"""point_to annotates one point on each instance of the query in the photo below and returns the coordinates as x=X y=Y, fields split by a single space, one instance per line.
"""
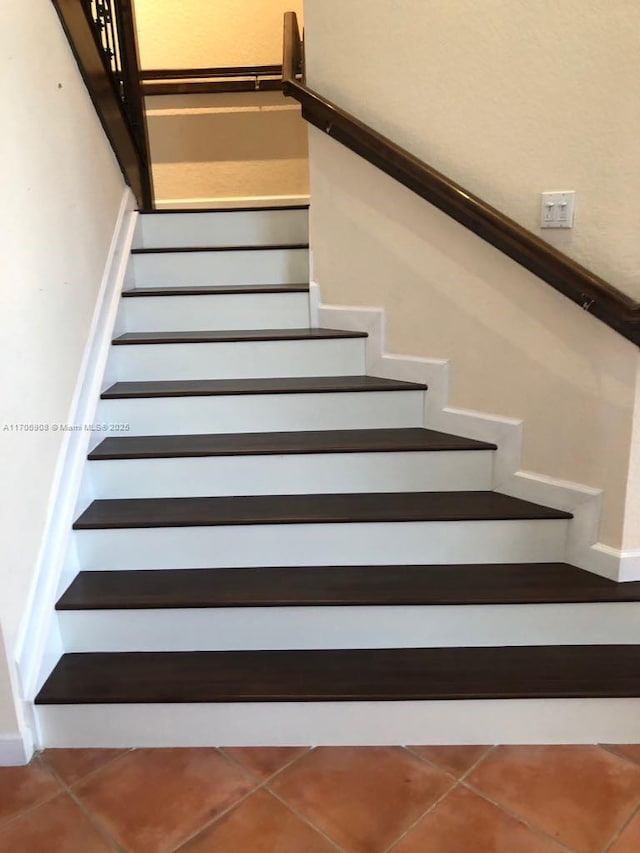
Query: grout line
x=275 y=772
x=442 y=769
x=265 y=786
x=7 y=823
x=93 y=820
x=625 y=823
x=532 y=826
x=424 y=814
x=91 y=773
x=464 y=783
x=479 y=761
x=622 y=827
x=457 y=781
x=39 y=758
x=306 y=820
x=609 y=749
x=100 y=829
x=32 y=808
x=429 y=763
x=201 y=829
x=259 y=786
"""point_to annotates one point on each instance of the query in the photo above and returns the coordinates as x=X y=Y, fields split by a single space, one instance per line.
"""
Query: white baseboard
x=612 y=562
x=585 y=503
x=231 y=201
x=38 y=644
x=15 y=751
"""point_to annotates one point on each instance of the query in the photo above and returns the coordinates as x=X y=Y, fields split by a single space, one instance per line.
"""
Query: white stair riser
x=221 y=311
x=369 y=627
x=178 y=269
x=224 y=228
x=264 y=412
x=386 y=543
x=468 y=721
x=238 y=360
x=292 y=474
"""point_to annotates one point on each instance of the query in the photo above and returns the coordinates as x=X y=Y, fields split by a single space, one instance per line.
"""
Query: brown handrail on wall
x=103 y=39
x=207 y=81
x=583 y=287
x=225 y=71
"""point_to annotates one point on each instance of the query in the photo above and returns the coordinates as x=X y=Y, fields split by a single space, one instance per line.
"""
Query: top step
x=212 y=228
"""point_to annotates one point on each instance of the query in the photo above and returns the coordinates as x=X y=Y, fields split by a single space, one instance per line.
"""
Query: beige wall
x=8 y=717
x=205 y=147
x=229 y=146
x=62 y=191
x=508 y=98
x=517 y=348
x=211 y=33
x=632 y=509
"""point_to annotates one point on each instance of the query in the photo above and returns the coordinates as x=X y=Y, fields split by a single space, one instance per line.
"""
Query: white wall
x=632 y=507
x=62 y=190
x=508 y=98
x=9 y=725
x=517 y=347
x=205 y=34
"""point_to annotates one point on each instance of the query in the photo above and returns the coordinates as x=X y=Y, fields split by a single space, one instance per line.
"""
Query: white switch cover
x=557 y=209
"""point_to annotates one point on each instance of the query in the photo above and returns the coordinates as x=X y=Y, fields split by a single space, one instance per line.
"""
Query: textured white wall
x=508 y=98
x=204 y=33
x=517 y=348
x=61 y=190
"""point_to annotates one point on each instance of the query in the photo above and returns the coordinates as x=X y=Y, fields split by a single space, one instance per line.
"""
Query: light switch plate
x=557 y=209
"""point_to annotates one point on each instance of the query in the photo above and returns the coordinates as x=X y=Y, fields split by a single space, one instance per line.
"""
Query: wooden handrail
x=211 y=81
x=108 y=61
x=224 y=71
x=565 y=275
x=132 y=90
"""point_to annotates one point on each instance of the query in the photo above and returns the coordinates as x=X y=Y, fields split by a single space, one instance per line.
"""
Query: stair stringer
x=39 y=643
x=584 y=502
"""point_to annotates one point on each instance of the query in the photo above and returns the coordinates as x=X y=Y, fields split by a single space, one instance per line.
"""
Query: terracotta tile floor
x=422 y=799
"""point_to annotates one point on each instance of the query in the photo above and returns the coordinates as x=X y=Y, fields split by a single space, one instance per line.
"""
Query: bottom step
x=540 y=694
x=320 y=675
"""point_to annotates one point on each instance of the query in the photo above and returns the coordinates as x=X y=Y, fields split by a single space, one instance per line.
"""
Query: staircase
x=278 y=551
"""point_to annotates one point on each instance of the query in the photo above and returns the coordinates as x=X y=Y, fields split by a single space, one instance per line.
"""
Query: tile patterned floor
x=422 y=799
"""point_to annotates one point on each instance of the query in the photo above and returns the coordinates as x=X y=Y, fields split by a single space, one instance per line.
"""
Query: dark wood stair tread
x=283 y=385
x=234 y=336
x=310 y=509
x=250 y=209
x=519 y=672
x=215 y=290
x=529 y=583
x=282 y=443
x=170 y=250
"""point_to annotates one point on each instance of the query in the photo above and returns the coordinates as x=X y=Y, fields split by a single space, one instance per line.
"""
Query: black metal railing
x=102 y=35
x=114 y=30
x=103 y=15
